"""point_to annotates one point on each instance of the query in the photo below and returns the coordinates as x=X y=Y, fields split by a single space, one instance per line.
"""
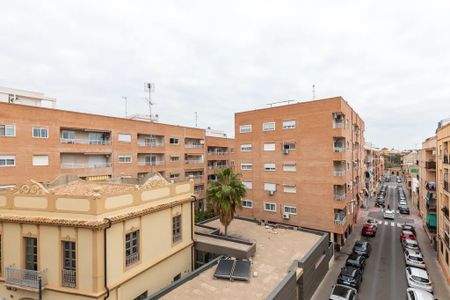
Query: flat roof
x=89 y=188
x=276 y=249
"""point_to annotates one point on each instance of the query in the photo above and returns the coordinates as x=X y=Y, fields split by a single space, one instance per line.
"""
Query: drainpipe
x=105 y=267
x=192 y=232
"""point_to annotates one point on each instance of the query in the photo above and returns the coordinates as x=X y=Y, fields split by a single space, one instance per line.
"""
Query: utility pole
x=150 y=87
x=196 y=119
x=126 y=106
x=314 y=91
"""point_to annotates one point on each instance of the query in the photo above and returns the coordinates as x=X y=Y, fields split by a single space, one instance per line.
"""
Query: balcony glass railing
x=25 y=278
x=194 y=161
x=338 y=124
x=338 y=173
x=193 y=145
x=85 y=141
x=152 y=144
x=84 y=165
x=217 y=152
x=151 y=163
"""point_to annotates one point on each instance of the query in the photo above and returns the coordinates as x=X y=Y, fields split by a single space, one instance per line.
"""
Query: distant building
x=443 y=196
x=95 y=240
x=9 y=95
x=374 y=167
x=302 y=164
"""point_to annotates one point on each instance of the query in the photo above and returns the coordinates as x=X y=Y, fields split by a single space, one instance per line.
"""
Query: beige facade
x=427 y=186
x=374 y=167
x=42 y=143
x=65 y=234
x=302 y=164
x=443 y=197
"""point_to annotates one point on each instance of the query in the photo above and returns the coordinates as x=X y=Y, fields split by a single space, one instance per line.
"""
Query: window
x=246 y=147
x=268 y=206
x=289 y=124
x=269 y=167
x=174 y=141
x=176 y=228
x=270 y=187
x=269 y=126
x=246 y=166
x=30 y=253
x=174 y=176
x=68 y=136
x=248 y=184
x=289 y=167
x=289 y=146
x=177 y=277
x=291 y=189
x=269 y=146
x=69 y=264
x=7 y=161
x=125 y=138
x=102 y=138
x=131 y=248
x=40 y=160
x=7 y=130
x=247 y=203
x=174 y=158
x=125 y=159
x=40 y=132
x=142 y=296
x=292 y=210
x=245 y=128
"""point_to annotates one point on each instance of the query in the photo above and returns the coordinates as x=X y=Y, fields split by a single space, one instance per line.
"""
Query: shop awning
x=431 y=220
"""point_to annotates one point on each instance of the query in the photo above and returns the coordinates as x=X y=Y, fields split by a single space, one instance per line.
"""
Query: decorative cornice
x=31 y=188
x=155 y=181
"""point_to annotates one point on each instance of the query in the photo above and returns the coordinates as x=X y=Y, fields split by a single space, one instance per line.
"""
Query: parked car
x=357 y=261
x=372 y=221
x=369 y=230
x=414 y=258
x=409 y=227
x=389 y=214
x=418 y=278
x=406 y=234
x=418 y=294
x=379 y=202
x=410 y=244
x=362 y=248
x=343 y=292
x=403 y=209
x=350 y=276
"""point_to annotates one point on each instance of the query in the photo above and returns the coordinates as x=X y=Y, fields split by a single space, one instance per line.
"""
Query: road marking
x=399 y=225
x=380 y=222
x=386 y=222
x=398 y=211
x=392 y=224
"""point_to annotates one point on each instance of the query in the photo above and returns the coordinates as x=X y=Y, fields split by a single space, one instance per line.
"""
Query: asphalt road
x=384 y=275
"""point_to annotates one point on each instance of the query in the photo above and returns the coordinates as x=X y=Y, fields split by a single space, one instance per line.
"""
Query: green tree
x=225 y=195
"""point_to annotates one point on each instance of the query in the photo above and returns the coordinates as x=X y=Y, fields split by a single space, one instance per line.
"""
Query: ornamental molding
x=156 y=181
x=31 y=188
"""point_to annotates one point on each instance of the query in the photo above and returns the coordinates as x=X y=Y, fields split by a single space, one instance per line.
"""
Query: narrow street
x=384 y=275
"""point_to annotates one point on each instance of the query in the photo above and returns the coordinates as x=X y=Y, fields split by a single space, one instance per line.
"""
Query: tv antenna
x=126 y=105
x=314 y=91
x=150 y=88
x=196 y=119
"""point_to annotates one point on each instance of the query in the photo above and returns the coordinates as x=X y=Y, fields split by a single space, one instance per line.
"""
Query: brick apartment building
x=302 y=164
x=43 y=143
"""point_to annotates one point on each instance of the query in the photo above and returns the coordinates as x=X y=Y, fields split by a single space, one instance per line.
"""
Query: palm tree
x=225 y=195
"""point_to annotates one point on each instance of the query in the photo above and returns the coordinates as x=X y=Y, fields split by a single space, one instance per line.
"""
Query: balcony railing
x=69 y=278
x=131 y=259
x=338 y=148
x=85 y=141
x=430 y=165
x=84 y=166
x=194 y=161
x=446 y=158
x=151 y=163
x=446 y=186
x=339 y=197
x=150 y=144
x=339 y=220
x=193 y=145
x=25 y=278
x=430 y=186
x=339 y=173
x=338 y=124
x=218 y=152
x=214 y=167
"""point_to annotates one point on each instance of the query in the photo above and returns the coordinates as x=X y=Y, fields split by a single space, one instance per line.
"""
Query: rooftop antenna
x=149 y=87
x=196 y=119
x=126 y=105
x=314 y=91
x=279 y=102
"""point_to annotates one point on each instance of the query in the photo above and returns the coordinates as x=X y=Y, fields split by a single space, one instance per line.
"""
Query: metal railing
x=85 y=141
x=151 y=144
x=131 y=259
x=218 y=152
x=430 y=165
x=338 y=124
x=339 y=148
x=84 y=166
x=217 y=167
x=430 y=185
x=25 y=278
x=339 y=197
x=193 y=146
x=151 y=163
x=194 y=161
x=339 y=220
x=69 y=278
x=339 y=173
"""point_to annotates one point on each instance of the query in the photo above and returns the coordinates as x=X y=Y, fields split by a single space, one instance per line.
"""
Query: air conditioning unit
x=286 y=216
x=271 y=193
x=285 y=151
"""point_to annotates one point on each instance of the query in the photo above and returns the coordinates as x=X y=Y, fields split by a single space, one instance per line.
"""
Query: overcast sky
x=389 y=59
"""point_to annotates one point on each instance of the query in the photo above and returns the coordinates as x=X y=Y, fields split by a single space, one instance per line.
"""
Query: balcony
x=84 y=137
x=430 y=165
x=218 y=152
x=431 y=202
x=338 y=144
x=446 y=158
x=445 y=212
x=85 y=141
x=339 y=192
x=152 y=143
x=430 y=186
x=339 y=173
x=25 y=279
x=153 y=159
x=151 y=163
x=339 y=219
x=69 y=278
x=85 y=165
x=193 y=161
x=193 y=143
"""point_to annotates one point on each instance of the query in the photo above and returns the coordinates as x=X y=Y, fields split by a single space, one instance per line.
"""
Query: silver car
x=418 y=294
x=343 y=292
x=418 y=278
x=414 y=258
